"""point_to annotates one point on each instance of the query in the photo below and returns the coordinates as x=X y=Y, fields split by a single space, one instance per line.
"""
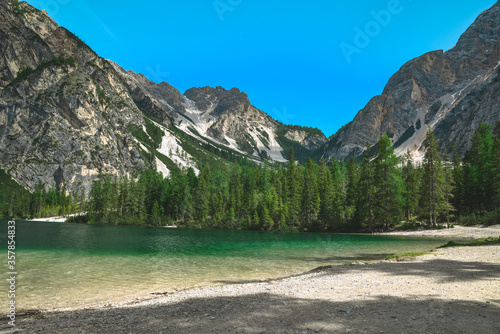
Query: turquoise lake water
x=68 y=265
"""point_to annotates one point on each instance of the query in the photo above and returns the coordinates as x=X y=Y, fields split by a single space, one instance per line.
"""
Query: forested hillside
x=380 y=193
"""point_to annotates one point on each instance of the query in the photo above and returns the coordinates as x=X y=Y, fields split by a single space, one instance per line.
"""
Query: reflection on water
x=68 y=265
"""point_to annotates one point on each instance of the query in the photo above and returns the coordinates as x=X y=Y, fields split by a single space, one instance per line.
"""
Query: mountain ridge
x=423 y=91
x=68 y=115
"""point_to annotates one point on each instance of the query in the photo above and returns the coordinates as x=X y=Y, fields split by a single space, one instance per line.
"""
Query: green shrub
x=487 y=219
x=23 y=74
x=408 y=226
x=80 y=219
x=53 y=62
x=16 y=4
x=404 y=256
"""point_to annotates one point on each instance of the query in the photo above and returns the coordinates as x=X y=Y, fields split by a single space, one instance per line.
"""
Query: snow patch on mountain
x=271 y=147
x=162 y=168
x=171 y=148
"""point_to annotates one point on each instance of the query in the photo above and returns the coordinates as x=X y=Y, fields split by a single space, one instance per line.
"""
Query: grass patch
x=23 y=74
x=405 y=256
x=140 y=135
x=209 y=152
x=38 y=317
x=475 y=242
x=154 y=132
x=486 y=219
x=302 y=153
x=17 y=9
x=172 y=167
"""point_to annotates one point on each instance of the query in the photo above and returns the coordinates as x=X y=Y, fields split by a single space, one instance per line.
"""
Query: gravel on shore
x=459 y=232
x=451 y=290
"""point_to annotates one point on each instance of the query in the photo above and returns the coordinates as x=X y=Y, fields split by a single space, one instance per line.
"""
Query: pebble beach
x=451 y=290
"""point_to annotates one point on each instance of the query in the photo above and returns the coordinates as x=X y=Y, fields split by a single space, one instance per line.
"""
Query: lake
x=68 y=265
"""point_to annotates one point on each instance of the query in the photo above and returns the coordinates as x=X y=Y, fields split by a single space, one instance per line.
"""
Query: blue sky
x=314 y=63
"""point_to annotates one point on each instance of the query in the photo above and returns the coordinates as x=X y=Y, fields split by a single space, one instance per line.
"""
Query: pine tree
x=156 y=214
x=481 y=161
x=38 y=204
x=410 y=178
x=256 y=219
x=95 y=202
x=310 y=194
x=266 y=220
x=339 y=185
x=389 y=185
x=458 y=200
x=293 y=191
x=496 y=167
x=449 y=185
x=352 y=191
x=326 y=194
x=433 y=192
x=3 y=197
x=123 y=197
x=140 y=195
x=202 y=196
x=367 y=191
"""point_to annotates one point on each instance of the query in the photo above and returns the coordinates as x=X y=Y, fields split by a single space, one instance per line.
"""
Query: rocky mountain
x=67 y=114
x=228 y=117
x=224 y=117
x=63 y=112
x=447 y=92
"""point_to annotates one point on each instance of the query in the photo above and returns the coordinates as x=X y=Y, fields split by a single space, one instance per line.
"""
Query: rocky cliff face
x=63 y=110
x=228 y=117
x=161 y=101
x=481 y=104
x=67 y=114
x=424 y=91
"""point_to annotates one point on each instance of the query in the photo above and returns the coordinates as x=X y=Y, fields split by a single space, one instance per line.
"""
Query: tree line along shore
x=378 y=192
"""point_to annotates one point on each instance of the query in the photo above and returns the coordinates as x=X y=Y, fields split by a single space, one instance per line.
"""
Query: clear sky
x=312 y=63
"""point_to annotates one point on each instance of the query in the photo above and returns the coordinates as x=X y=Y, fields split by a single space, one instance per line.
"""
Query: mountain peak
x=426 y=91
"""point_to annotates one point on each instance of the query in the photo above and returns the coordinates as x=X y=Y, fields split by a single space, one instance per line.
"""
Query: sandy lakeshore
x=452 y=290
x=459 y=232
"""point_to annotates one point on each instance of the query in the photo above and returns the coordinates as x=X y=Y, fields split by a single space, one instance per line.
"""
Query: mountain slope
x=220 y=116
x=67 y=115
x=63 y=114
x=424 y=91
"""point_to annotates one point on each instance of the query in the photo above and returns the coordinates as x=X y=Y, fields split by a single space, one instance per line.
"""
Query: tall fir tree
x=481 y=163
x=326 y=195
x=458 y=198
x=339 y=185
x=293 y=191
x=202 y=196
x=496 y=168
x=352 y=191
x=389 y=185
x=364 y=206
x=449 y=187
x=310 y=195
x=433 y=192
x=412 y=186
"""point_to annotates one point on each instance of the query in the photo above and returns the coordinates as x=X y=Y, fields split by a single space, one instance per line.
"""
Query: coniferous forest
x=379 y=192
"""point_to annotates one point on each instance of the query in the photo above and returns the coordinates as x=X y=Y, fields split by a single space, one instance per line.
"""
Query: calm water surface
x=69 y=265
